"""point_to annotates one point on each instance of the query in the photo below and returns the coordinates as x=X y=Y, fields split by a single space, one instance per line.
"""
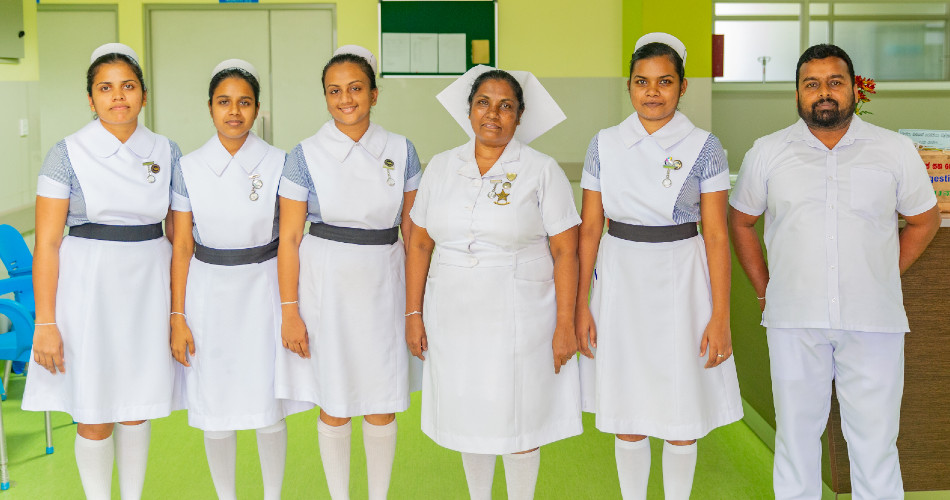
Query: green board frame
x=476 y=18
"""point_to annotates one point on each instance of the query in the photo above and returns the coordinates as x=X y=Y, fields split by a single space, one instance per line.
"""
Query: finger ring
x=719 y=355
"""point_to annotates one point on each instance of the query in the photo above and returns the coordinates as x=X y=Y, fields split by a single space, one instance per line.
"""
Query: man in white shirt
x=831 y=187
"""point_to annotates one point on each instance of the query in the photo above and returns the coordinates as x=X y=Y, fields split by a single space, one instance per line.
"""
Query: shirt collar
x=339 y=144
x=249 y=156
x=469 y=168
x=858 y=130
x=632 y=131
x=104 y=144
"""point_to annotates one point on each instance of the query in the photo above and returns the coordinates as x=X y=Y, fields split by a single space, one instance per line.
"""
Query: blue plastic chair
x=14 y=344
x=16 y=257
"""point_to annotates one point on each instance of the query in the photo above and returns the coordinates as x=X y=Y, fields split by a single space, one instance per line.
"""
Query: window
x=891 y=41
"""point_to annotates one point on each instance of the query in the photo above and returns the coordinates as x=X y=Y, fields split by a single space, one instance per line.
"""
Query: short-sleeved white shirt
x=453 y=203
x=831 y=224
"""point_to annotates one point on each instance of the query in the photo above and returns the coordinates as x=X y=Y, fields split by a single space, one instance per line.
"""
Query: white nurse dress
x=489 y=385
x=651 y=301
x=233 y=311
x=112 y=297
x=351 y=296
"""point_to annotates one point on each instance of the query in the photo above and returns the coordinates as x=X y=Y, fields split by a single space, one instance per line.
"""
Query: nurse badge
x=256 y=183
x=670 y=164
x=389 y=166
x=153 y=168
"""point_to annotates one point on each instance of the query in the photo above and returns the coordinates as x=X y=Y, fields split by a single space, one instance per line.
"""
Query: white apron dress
x=112 y=298
x=351 y=297
x=233 y=311
x=488 y=380
x=652 y=301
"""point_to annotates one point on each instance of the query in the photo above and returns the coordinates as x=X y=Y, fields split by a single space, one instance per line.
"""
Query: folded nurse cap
x=540 y=115
x=236 y=64
x=114 y=48
x=666 y=39
x=357 y=50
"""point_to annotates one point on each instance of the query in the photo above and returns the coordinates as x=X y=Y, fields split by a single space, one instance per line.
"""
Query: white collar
x=857 y=130
x=669 y=135
x=469 y=168
x=339 y=144
x=249 y=156
x=104 y=144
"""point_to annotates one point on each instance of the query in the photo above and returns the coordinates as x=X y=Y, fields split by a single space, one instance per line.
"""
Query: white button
x=471 y=235
x=831 y=207
x=476 y=182
x=834 y=300
x=831 y=236
x=472 y=260
x=832 y=268
x=830 y=178
x=468 y=207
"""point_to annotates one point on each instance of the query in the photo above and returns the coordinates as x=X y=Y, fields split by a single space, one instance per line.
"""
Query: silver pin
x=389 y=165
x=150 y=179
x=256 y=183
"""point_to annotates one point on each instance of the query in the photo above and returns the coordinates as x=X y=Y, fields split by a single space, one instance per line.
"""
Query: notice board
x=436 y=37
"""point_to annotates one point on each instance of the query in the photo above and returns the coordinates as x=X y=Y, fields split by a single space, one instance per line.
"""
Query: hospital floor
x=733 y=462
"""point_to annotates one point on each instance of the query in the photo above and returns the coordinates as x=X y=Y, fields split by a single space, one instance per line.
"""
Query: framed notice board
x=436 y=37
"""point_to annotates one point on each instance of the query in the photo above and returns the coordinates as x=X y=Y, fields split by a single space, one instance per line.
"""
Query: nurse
x=225 y=317
x=659 y=313
x=102 y=292
x=493 y=254
x=342 y=286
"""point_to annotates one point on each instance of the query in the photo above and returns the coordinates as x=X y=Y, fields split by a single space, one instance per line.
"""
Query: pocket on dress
x=540 y=270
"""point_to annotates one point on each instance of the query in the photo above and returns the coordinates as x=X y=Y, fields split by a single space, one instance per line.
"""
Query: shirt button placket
x=831 y=243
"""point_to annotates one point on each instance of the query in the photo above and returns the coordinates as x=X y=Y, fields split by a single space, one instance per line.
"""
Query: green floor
x=733 y=462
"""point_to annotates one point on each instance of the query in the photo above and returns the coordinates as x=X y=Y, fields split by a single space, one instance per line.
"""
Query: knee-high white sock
x=633 y=467
x=479 y=473
x=131 y=457
x=221 y=449
x=335 y=454
x=94 y=459
x=379 y=441
x=272 y=448
x=521 y=470
x=679 y=464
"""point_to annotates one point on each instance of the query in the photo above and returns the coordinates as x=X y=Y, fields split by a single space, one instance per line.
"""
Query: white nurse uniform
x=651 y=301
x=489 y=385
x=112 y=297
x=233 y=310
x=351 y=296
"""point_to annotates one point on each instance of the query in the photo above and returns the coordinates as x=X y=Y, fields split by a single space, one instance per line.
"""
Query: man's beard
x=830 y=119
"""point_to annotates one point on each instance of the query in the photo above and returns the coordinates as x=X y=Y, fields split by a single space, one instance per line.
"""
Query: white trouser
x=868 y=370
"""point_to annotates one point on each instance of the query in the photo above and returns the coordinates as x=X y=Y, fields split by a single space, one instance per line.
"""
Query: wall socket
x=24 y=127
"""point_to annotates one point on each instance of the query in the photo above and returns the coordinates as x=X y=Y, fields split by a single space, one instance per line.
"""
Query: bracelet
x=44 y=324
x=761 y=298
x=413 y=312
x=178 y=313
x=288 y=303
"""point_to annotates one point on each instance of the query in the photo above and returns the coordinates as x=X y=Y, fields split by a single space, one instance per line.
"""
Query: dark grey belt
x=236 y=256
x=355 y=235
x=652 y=234
x=93 y=231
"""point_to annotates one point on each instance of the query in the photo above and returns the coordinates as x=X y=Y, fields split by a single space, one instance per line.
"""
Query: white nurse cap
x=357 y=50
x=236 y=64
x=540 y=115
x=666 y=39
x=114 y=48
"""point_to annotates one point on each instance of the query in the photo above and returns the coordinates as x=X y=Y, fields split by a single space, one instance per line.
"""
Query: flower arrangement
x=865 y=87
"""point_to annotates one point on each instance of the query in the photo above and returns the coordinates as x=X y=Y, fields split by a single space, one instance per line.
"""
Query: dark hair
x=822 y=51
x=355 y=59
x=657 y=49
x=224 y=74
x=112 y=59
x=497 y=74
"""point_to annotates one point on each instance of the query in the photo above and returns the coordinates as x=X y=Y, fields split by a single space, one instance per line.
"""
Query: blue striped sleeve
x=413 y=168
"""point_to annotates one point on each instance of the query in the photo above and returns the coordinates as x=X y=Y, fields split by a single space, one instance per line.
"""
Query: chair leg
x=6 y=379
x=4 y=474
x=49 y=435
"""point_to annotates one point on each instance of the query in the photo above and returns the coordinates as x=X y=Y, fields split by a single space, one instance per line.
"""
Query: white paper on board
x=452 y=53
x=424 y=53
x=396 y=53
